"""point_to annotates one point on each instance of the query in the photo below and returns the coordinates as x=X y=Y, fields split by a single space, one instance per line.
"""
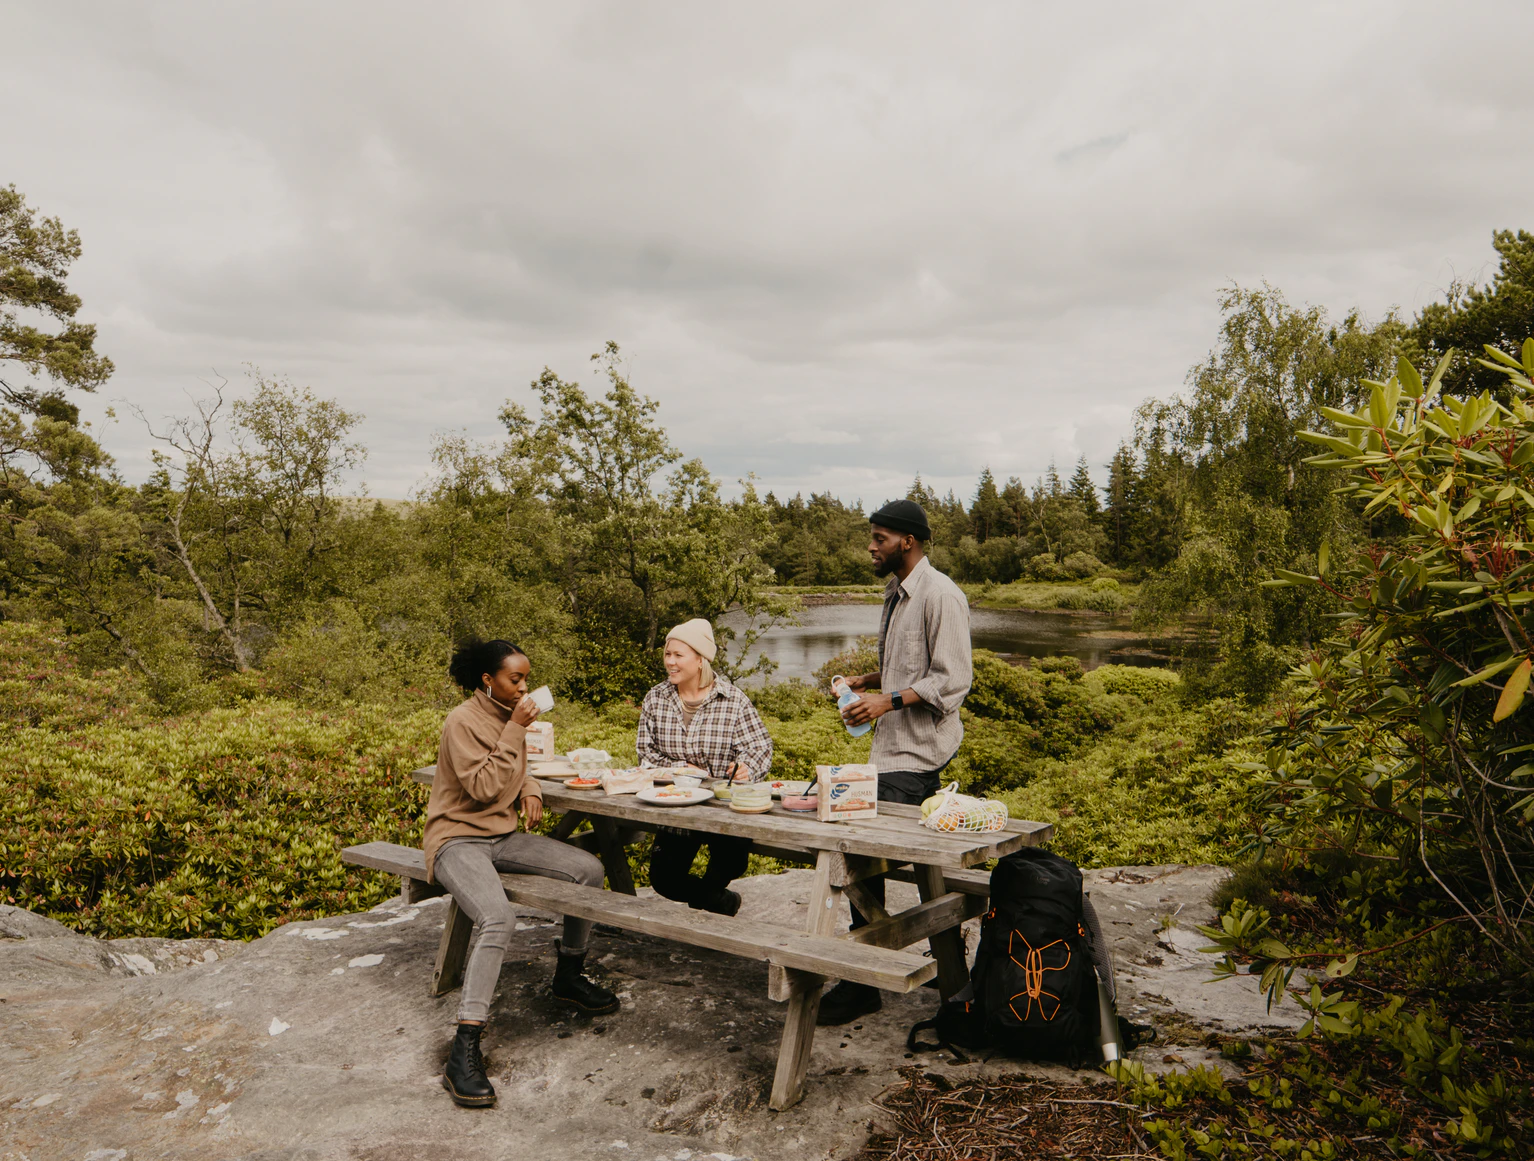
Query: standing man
x=924 y=673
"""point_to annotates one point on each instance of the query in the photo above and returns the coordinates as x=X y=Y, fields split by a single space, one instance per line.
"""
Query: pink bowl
x=800 y=801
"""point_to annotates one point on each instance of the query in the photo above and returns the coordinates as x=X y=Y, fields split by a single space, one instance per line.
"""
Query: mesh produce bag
x=959 y=812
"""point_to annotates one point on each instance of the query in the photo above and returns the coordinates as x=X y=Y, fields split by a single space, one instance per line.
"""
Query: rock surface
x=319 y=1041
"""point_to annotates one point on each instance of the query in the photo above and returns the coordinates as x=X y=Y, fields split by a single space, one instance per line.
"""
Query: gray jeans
x=469 y=867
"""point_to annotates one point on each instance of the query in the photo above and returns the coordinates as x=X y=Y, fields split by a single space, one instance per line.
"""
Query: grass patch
x=1101 y=594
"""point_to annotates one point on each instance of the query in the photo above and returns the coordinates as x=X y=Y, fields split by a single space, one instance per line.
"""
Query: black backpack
x=1033 y=989
x=1033 y=974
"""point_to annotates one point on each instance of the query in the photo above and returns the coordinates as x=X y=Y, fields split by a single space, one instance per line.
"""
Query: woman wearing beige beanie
x=698 y=718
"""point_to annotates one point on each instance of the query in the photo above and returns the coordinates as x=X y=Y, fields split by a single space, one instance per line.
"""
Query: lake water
x=826 y=630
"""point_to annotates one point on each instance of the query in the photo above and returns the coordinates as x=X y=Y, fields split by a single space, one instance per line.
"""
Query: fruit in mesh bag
x=973 y=815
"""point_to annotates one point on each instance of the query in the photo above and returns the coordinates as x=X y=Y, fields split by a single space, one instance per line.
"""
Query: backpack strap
x=914 y=1045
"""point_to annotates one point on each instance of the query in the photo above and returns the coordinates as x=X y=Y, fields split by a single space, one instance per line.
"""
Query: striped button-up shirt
x=923 y=647
x=725 y=728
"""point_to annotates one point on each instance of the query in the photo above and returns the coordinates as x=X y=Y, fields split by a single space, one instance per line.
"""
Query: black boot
x=572 y=986
x=726 y=902
x=464 y=1077
x=846 y=1002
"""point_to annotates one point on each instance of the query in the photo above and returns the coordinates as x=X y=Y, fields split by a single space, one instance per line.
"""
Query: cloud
x=820 y=438
x=966 y=237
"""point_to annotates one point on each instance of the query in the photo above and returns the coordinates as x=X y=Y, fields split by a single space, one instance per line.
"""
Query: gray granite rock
x=320 y=1041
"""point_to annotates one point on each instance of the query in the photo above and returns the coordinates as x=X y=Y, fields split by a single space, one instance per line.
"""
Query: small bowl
x=721 y=788
x=751 y=794
x=687 y=782
x=800 y=801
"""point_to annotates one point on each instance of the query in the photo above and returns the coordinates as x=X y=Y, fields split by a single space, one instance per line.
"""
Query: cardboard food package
x=540 y=741
x=845 y=792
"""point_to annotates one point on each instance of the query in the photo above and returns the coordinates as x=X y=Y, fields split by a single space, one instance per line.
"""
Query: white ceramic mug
x=543 y=699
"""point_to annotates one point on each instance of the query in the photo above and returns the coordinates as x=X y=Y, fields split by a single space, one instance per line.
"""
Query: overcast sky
x=841 y=243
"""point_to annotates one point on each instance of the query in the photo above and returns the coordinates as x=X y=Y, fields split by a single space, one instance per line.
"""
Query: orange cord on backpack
x=1033 y=977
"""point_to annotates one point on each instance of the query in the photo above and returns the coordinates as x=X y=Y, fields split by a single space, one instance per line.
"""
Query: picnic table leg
x=947 y=946
x=567 y=824
x=615 y=857
x=804 y=1004
x=453 y=951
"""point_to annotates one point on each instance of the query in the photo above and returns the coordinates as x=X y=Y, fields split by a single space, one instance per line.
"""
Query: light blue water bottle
x=845 y=697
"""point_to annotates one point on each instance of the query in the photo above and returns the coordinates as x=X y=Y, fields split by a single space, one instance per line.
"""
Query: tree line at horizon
x=587 y=530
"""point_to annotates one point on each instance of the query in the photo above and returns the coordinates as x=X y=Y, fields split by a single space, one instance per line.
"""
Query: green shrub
x=1410 y=731
x=223 y=824
x=1135 y=681
x=1082 y=565
x=334 y=656
x=788 y=701
x=40 y=681
x=1095 y=600
x=863 y=657
x=118 y=821
x=1156 y=788
x=1353 y=1077
x=999 y=690
x=606 y=667
x=1044 y=567
x=995 y=756
x=1066 y=666
x=1049 y=698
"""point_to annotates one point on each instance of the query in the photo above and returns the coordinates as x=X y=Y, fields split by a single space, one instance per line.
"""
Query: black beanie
x=903 y=516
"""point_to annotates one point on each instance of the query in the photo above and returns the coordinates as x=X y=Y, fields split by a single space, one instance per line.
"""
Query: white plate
x=693 y=797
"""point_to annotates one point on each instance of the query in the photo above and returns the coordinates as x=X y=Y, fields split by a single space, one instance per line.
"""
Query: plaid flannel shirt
x=725 y=729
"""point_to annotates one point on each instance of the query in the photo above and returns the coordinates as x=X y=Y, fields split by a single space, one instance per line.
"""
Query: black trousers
x=908 y=787
x=671 y=858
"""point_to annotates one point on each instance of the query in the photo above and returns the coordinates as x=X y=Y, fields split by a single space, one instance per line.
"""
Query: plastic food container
x=751 y=797
x=589 y=763
x=801 y=802
x=782 y=788
x=722 y=789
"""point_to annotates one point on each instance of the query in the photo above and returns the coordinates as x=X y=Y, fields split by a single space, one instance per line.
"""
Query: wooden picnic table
x=844 y=855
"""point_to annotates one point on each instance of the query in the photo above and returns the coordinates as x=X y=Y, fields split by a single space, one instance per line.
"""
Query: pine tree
x=1052 y=485
x=1158 y=499
x=955 y=518
x=1085 y=490
x=922 y=494
x=987 y=515
x=1118 y=516
x=1014 y=507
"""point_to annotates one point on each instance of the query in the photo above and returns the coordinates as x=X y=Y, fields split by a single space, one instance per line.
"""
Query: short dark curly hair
x=474 y=658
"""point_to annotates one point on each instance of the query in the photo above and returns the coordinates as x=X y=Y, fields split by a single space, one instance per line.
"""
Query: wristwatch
x=895 y=702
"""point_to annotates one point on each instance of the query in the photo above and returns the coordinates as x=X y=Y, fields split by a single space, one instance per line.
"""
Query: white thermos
x=1107 y=1016
x=1108 y=1025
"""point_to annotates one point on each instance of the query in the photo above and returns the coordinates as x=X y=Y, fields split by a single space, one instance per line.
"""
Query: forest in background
x=214 y=680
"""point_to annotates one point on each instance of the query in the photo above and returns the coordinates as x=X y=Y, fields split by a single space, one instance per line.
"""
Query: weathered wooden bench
x=945 y=869
x=866 y=961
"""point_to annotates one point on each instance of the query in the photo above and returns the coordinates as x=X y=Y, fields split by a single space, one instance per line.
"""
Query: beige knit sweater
x=481 y=776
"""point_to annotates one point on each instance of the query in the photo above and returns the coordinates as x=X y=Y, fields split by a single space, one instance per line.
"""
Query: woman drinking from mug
x=472 y=837
x=697 y=718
